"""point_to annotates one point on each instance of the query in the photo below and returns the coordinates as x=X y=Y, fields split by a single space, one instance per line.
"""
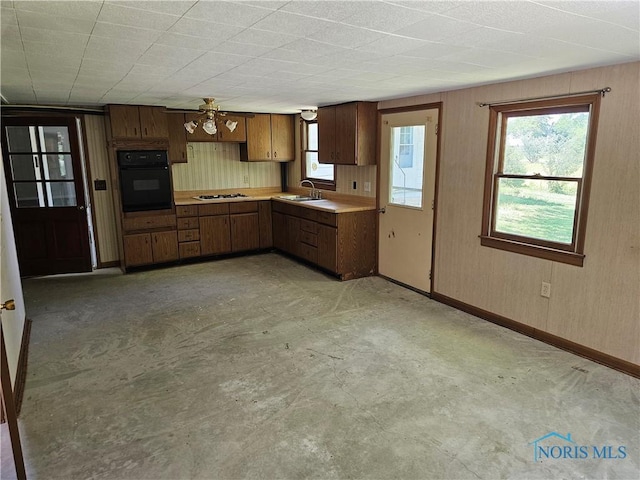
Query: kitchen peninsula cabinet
x=341 y=243
x=270 y=138
x=347 y=134
x=136 y=122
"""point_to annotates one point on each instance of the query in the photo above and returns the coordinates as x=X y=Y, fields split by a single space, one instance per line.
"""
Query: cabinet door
x=326 y=134
x=215 y=235
x=245 y=232
x=238 y=135
x=177 y=138
x=280 y=231
x=164 y=246
x=153 y=122
x=137 y=249
x=282 y=138
x=266 y=224
x=293 y=233
x=328 y=247
x=259 y=137
x=346 y=120
x=125 y=121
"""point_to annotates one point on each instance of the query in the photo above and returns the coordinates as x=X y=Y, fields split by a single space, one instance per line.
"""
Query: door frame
x=411 y=108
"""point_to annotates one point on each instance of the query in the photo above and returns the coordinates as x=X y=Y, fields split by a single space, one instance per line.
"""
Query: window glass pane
x=23 y=167
x=20 y=139
x=315 y=170
x=29 y=195
x=541 y=209
x=55 y=139
x=58 y=167
x=551 y=145
x=61 y=194
x=312 y=136
x=407 y=154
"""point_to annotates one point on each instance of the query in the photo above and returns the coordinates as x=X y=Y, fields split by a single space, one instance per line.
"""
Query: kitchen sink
x=298 y=198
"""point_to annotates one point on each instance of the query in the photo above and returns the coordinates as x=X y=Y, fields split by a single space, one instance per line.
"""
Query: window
x=405 y=148
x=539 y=162
x=321 y=174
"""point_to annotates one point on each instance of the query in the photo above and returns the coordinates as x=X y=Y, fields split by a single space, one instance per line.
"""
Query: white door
x=407 y=192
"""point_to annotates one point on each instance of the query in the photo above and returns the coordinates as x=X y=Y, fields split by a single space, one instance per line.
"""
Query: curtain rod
x=601 y=91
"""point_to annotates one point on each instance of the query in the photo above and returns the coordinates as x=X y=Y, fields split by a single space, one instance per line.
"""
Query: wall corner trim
x=599 y=357
x=21 y=372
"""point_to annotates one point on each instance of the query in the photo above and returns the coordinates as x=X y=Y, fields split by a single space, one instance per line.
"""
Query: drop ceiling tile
x=431 y=7
x=57 y=39
x=136 y=34
x=238 y=14
x=96 y=81
x=105 y=68
x=434 y=50
x=487 y=58
x=115 y=49
x=197 y=27
x=186 y=41
x=18 y=95
x=154 y=69
x=54 y=22
x=292 y=24
x=211 y=59
x=435 y=28
x=87 y=10
x=385 y=17
x=346 y=36
x=160 y=6
x=13 y=58
x=8 y=16
x=393 y=45
x=265 y=38
x=328 y=10
x=135 y=17
x=244 y=49
x=11 y=39
x=37 y=60
x=629 y=16
x=165 y=56
x=593 y=9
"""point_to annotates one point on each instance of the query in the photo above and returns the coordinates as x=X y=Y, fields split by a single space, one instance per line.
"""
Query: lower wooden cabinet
x=266 y=224
x=148 y=248
x=328 y=247
x=215 y=235
x=245 y=232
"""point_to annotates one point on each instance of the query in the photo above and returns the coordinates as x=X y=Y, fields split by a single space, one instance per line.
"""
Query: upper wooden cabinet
x=133 y=122
x=177 y=138
x=270 y=138
x=223 y=134
x=347 y=134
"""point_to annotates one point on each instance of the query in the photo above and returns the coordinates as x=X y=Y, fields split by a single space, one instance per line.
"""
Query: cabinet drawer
x=187 y=222
x=144 y=223
x=243 y=207
x=213 y=209
x=309 y=238
x=308 y=252
x=187 y=210
x=189 y=235
x=189 y=249
x=308 y=226
x=327 y=218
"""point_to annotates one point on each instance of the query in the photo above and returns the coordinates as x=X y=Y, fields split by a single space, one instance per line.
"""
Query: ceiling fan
x=212 y=115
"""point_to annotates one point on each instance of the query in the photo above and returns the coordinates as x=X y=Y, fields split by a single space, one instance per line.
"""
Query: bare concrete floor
x=258 y=367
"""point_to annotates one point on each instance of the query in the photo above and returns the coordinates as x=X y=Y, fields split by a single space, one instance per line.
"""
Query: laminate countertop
x=335 y=204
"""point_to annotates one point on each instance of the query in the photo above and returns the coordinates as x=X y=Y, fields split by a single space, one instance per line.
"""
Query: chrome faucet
x=313 y=193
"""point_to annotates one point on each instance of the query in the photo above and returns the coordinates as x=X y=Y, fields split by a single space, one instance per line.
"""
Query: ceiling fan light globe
x=190 y=127
x=309 y=115
x=231 y=125
x=210 y=127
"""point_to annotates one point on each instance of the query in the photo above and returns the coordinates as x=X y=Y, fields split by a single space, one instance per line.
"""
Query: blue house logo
x=554 y=446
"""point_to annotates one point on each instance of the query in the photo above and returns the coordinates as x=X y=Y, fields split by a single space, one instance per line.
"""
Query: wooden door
x=153 y=122
x=259 y=137
x=125 y=121
x=282 y=138
x=177 y=138
x=407 y=192
x=280 y=231
x=326 y=134
x=346 y=120
x=238 y=135
x=266 y=224
x=137 y=249
x=328 y=247
x=46 y=192
x=164 y=246
x=215 y=235
x=245 y=232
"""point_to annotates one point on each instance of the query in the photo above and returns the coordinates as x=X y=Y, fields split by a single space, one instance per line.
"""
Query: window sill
x=570 y=258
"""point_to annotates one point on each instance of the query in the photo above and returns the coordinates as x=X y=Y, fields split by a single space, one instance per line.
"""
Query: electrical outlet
x=354 y=185
x=246 y=179
x=367 y=186
x=545 y=290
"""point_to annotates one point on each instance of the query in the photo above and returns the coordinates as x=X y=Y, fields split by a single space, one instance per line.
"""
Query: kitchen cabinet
x=347 y=134
x=164 y=246
x=148 y=248
x=177 y=138
x=270 y=137
x=265 y=224
x=245 y=226
x=215 y=233
x=223 y=134
x=188 y=231
x=135 y=122
x=341 y=243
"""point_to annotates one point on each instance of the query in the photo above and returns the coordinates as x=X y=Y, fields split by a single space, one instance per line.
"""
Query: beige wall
x=214 y=166
x=103 y=211
x=597 y=305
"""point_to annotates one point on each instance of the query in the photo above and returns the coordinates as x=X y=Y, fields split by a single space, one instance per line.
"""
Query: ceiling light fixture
x=309 y=115
x=210 y=124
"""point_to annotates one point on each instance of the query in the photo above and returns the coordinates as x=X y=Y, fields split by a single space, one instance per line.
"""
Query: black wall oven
x=145 y=180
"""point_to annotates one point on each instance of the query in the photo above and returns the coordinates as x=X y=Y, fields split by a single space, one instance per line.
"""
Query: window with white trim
x=321 y=174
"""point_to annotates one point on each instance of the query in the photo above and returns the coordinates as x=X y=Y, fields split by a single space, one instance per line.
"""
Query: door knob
x=8 y=305
x=80 y=207
x=382 y=210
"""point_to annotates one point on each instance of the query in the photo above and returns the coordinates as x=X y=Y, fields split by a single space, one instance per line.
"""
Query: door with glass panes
x=41 y=157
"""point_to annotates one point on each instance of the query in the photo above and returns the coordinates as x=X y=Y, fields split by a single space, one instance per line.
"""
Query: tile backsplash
x=213 y=166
